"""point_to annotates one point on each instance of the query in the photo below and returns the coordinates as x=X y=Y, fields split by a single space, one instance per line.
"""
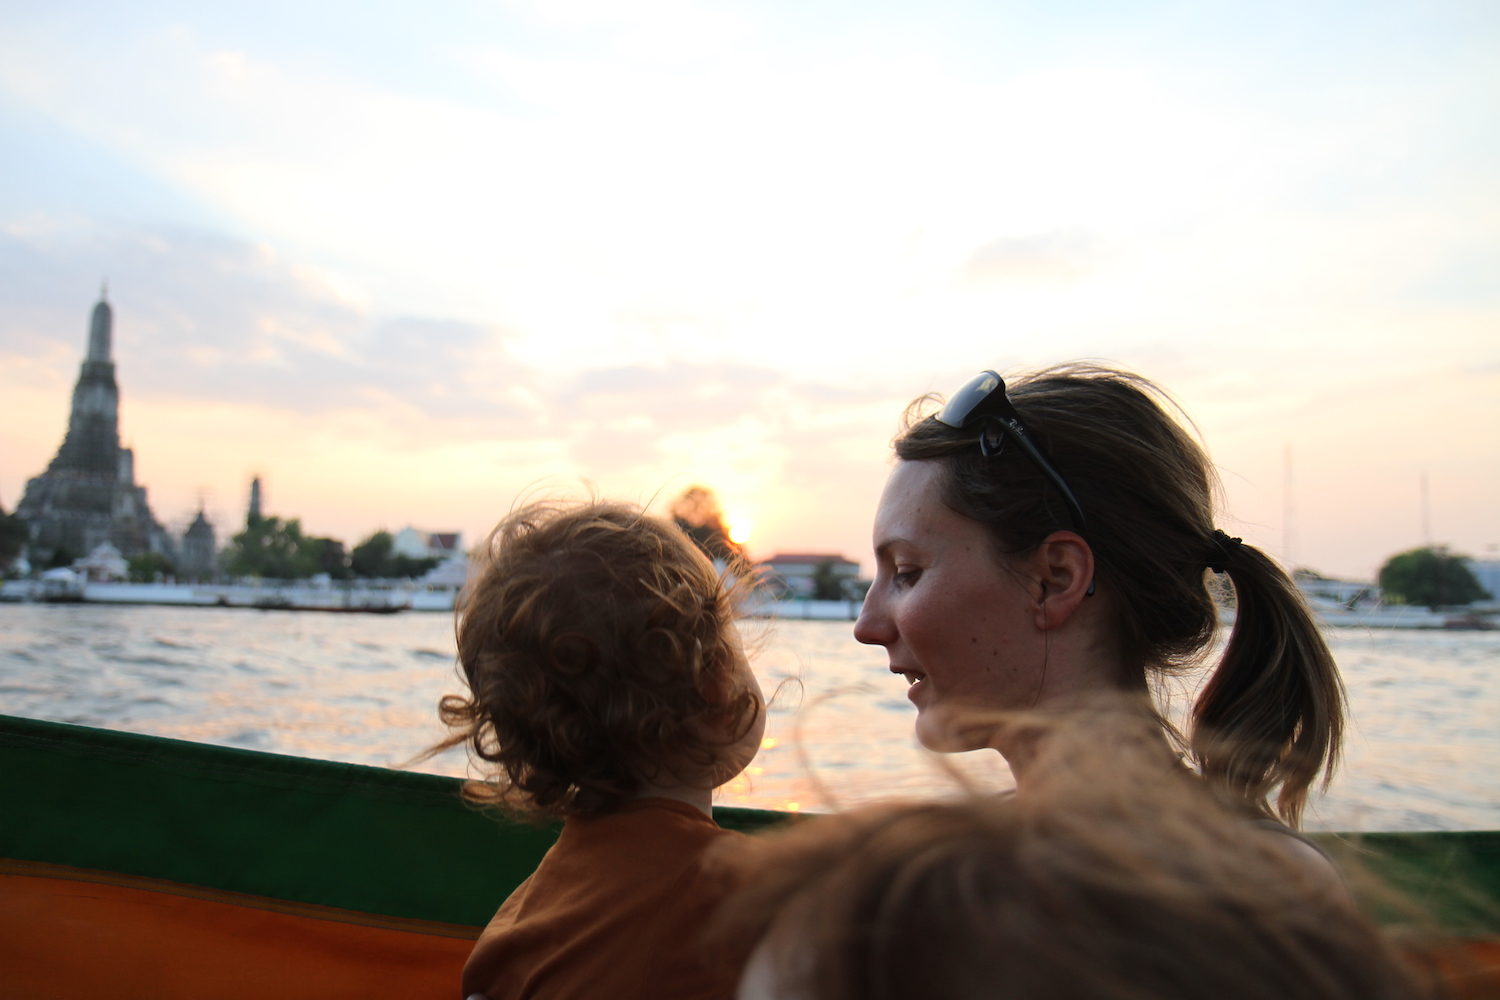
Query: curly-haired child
x=608 y=688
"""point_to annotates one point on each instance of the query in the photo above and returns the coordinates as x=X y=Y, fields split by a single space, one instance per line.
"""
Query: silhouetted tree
x=698 y=514
x=13 y=538
x=1432 y=576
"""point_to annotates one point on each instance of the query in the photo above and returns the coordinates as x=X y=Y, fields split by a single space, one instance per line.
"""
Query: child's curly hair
x=600 y=651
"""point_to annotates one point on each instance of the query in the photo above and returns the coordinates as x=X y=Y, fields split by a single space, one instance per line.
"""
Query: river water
x=1422 y=751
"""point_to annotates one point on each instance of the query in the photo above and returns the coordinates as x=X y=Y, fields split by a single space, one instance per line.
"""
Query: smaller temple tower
x=199 y=550
x=253 y=512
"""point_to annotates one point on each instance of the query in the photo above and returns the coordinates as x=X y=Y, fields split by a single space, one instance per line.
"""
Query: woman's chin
x=943 y=730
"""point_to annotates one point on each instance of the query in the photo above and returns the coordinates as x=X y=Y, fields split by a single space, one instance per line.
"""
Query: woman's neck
x=1118 y=714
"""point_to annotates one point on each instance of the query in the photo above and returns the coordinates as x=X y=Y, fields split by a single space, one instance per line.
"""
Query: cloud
x=1057 y=256
x=672 y=391
x=205 y=318
x=634 y=416
x=680 y=418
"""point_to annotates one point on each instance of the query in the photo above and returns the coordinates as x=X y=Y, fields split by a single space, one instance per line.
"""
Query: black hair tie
x=1225 y=546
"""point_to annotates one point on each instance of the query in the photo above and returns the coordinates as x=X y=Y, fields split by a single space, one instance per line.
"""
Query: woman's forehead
x=913 y=510
x=910 y=486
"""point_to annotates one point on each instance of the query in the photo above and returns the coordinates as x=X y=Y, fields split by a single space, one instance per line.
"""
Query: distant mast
x=1288 y=511
x=1426 y=514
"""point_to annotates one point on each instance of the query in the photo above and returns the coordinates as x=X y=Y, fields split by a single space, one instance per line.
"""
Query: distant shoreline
x=381 y=597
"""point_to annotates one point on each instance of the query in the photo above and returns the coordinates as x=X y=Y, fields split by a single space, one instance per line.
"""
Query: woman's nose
x=872 y=627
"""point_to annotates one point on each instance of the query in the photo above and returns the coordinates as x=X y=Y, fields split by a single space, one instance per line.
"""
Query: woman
x=1039 y=545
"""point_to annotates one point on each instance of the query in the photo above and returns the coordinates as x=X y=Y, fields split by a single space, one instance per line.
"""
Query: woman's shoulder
x=1304 y=853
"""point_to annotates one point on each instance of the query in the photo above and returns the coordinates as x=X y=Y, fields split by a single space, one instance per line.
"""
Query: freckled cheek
x=980 y=655
x=921 y=625
x=985 y=649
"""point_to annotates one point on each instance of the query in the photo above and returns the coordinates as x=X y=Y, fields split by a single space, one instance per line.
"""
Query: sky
x=411 y=263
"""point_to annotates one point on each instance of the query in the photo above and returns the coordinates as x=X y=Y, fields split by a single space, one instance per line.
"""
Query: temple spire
x=101 y=328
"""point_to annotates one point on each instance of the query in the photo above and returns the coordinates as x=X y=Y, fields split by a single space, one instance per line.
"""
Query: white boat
x=1405 y=616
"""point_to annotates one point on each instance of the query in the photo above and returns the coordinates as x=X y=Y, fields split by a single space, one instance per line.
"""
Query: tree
x=149 y=566
x=411 y=567
x=698 y=514
x=13 y=538
x=826 y=583
x=1432 y=576
x=374 y=557
x=274 y=549
x=331 y=558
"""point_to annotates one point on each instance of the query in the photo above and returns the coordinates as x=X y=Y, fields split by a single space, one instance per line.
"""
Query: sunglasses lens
x=967 y=399
x=979 y=397
x=992 y=440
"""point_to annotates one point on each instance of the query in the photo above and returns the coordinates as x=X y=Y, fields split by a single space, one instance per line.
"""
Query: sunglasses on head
x=983 y=401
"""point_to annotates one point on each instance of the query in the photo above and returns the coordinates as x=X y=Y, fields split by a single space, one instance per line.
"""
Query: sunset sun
x=738 y=526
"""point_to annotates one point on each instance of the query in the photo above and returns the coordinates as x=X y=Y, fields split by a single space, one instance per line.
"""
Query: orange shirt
x=616 y=909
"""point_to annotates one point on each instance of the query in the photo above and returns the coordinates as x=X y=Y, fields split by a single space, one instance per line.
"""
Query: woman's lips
x=914 y=681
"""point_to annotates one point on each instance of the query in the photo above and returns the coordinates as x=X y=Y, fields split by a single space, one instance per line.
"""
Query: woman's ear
x=1063 y=568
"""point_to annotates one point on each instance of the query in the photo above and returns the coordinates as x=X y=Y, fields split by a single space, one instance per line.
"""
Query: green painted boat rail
x=403 y=844
x=360 y=838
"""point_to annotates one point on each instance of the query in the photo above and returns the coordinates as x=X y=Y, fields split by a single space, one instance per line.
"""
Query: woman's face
x=957 y=622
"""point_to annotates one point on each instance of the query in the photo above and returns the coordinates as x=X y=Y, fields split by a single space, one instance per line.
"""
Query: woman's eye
x=905 y=577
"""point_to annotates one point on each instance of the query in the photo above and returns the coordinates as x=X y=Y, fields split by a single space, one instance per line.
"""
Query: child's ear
x=716 y=683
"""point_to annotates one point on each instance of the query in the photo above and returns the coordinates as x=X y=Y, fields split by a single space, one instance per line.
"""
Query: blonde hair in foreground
x=1139 y=887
